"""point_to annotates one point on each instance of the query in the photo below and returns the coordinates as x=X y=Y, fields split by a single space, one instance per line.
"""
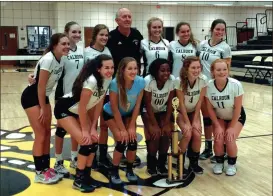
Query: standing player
x=120 y=114
x=98 y=46
x=36 y=104
x=78 y=113
x=190 y=90
x=210 y=50
x=182 y=48
x=224 y=102
x=156 y=115
x=155 y=46
x=73 y=64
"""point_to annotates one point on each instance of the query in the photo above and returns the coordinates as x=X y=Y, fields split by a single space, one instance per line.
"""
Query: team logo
x=135 y=41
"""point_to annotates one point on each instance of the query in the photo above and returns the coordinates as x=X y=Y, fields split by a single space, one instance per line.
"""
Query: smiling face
x=220 y=71
x=156 y=28
x=130 y=71
x=74 y=33
x=194 y=70
x=219 y=31
x=184 y=33
x=124 y=18
x=102 y=37
x=63 y=46
x=164 y=73
x=107 y=69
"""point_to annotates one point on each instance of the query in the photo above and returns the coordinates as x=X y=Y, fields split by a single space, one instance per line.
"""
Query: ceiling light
x=267 y=5
x=167 y=3
x=222 y=4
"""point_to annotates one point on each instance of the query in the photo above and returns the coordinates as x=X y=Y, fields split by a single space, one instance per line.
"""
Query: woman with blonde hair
x=155 y=46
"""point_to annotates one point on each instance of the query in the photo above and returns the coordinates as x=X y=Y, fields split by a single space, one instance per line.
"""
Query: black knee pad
x=60 y=132
x=207 y=121
x=132 y=146
x=120 y=147
x=94 y=148
x=85 y=150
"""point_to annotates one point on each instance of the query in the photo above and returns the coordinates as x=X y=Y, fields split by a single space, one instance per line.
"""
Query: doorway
x=88 y=35
x=8 y=43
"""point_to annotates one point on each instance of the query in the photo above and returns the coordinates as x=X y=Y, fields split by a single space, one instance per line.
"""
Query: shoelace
x=47 y=175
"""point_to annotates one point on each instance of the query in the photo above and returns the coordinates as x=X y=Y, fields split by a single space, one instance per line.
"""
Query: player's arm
x=211 y=112
x=169 y=107
x=238 y=102
x=181 y=96
x=148 y=105
x=114 y=103
x=199 y=104
x=136 y=109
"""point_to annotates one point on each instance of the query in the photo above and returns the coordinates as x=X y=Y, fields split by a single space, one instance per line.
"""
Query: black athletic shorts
x=107 y=116
x=62 y=106
x=30 y=98
x=242 y=118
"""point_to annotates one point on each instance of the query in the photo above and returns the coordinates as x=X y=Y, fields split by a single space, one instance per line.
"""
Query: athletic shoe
x=218 y=168
x=53 y=173
x=231 y=170
x=131 y=176
x=207 y=153
x=45 y=178
x=151 y=171
x=73 y=163
x=115 y=179
x=60 y=169
x=79 y=184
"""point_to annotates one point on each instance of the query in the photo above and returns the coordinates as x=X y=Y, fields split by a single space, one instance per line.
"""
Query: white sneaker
x=231 y=170
x=73 y=163
x=60 y=169
x=45 y=178
x=218 y=168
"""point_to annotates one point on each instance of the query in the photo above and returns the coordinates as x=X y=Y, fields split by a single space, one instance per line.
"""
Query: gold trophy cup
x=172 y=178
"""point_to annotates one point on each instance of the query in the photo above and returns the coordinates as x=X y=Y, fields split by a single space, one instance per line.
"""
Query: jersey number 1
x=219 y=105
x=77 y=61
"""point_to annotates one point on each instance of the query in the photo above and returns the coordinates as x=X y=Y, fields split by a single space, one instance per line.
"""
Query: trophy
x=172 y=178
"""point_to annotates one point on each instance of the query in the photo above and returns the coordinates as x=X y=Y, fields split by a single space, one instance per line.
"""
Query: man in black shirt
x=124 y=41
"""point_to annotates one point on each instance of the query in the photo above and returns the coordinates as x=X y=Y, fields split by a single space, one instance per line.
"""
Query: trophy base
x=174 y=181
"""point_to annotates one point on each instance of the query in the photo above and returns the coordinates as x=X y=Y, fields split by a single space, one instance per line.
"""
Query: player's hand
x=132 y=134
x=31 y=79
x=154 y=131
x=124 y=137
x=44 y=116
x=186 y=127
x=196 y=125
x=86 y=138
x=230 y=134
x=166 y=130
x=94 y=136
x=218 y=132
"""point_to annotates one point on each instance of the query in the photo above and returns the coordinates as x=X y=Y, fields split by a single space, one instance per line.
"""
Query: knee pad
x=207 y=121
x=60 y=132
x=94 y=148
x=85 y=150
x=132 y=146
x=120 y=147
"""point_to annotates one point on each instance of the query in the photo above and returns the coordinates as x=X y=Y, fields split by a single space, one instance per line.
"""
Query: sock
x=220 y=159
x=129 y=166
x=208 y=144
x=74 y=155
x=103 y=151
x=87 y=171
x=225 y=148
x=46 y=161
x=38 y=162
x=232 y=160
x=79 y=174
x=115 y=169
x=59 y=157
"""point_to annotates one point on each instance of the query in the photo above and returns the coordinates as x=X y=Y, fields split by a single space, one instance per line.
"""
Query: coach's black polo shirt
x=121 y=46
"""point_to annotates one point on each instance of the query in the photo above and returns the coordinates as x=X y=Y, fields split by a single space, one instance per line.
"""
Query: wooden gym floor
x=254 y=176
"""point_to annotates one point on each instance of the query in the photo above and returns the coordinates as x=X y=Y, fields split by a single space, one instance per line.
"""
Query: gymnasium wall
x=88 y=14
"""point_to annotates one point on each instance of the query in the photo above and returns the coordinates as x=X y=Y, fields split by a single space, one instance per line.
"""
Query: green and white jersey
x=223 y=101
x=209 y=53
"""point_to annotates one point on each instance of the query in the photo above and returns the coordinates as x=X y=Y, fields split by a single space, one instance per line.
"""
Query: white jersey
x=73 y=64
x=91 y=84
x=178 y=53
x=208 y=54
x=152 y=51
x=91 y=53
x=159 y=96
x=49 y=63
x=223 y=101
x=193 y=92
